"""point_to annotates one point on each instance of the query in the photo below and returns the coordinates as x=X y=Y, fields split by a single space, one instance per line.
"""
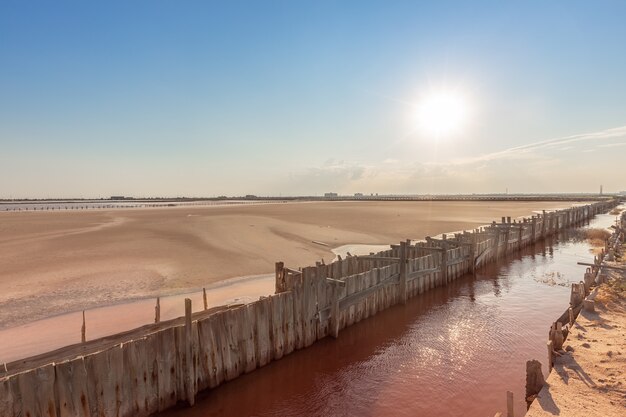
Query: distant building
x=117 y=197
x=330 y=195
x=358 y=194
x=250 y=196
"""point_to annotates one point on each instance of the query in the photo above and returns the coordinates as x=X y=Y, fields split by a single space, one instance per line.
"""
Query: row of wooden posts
x=582 y=293
x=581 y=298
x=150 y=369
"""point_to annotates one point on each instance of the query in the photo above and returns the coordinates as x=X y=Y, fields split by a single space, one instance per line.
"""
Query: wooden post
x=444 y=265
x=403 y=262
x=157 y=310
x=497 y=242
x=544 y=220
x=550 y=355
x=534 y=379
x=519 y=238
x=509 y=404
x=534 y=228
x=507 y=234
x=473 y=252
x=558 y=216
x=83 y=330
x=334 y=312
x=571 y=316
x=280 y=277
x=189 y=380
x=206 y=304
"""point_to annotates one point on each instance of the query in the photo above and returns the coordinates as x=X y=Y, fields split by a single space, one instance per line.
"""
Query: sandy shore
x=589 y=379
x=55 y=262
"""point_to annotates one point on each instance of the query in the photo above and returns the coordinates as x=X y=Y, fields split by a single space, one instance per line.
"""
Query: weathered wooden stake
x=280 y=277
x=157 y=310
x=206 y=304
x=189 y=379
x=334 y=312
x=473 y=252
x=534 y=379
x=403 y=272
x=550 y=355
x=571 y=316
x=444 y=266
x=509 y=404
x=83 y=330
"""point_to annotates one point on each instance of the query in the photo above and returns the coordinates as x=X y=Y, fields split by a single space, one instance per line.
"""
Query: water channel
x=453 y=351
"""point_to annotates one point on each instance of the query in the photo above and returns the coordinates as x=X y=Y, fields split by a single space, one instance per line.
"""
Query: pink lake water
x=453 y=351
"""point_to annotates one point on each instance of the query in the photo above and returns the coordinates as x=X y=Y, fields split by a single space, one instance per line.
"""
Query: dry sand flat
x=590 y=379
x=53 y=262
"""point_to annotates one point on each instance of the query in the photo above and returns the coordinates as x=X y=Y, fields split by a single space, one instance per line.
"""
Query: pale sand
x=56 y=262
x=591 y=379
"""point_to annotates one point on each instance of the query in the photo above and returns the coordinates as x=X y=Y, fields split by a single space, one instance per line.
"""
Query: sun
x=442 y=113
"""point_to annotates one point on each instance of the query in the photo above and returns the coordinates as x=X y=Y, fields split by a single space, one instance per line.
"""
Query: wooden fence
x=150 y=369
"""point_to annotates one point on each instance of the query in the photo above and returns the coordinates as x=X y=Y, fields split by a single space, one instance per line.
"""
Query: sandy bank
x=590 y=378
x=54 y=262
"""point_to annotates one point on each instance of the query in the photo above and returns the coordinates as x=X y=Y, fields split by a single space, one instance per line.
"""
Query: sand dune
x=53 y=262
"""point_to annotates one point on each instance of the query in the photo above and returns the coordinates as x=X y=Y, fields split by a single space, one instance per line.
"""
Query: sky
x=186 y=98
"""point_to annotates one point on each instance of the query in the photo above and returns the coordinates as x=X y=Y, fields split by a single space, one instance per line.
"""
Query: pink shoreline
x=51 y=333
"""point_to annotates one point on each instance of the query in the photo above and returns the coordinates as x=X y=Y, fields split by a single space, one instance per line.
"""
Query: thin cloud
x=550 y=143
x=612 y=145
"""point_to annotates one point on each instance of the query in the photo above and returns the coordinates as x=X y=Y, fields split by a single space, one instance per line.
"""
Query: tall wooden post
x=206 y=303
x=473 y=248
x=83 y=330
x=157 y=310
x=507 y=234
x=403 y=262
x=334 y=312
x=280 y=278
x=544 y=220
x=558 y=226
x=444 y=265
x=189 y=379
x=534 y=229
x=550 y=356
x=497 y=242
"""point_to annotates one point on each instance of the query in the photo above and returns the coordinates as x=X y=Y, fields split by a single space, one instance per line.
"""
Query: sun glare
x=442 y=113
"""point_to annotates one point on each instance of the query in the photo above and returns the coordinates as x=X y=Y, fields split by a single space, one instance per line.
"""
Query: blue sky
x=207 y=98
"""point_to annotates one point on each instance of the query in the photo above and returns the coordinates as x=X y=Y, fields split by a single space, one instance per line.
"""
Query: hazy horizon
x=278 y=98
